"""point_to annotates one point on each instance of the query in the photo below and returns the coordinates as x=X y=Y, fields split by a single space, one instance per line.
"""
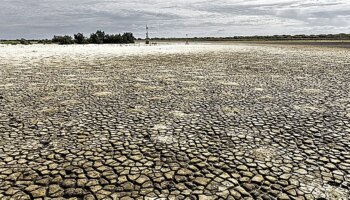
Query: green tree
x=98 y=37
x=128 y=38
x=80 y=38
x=24 y=41
x=63 y=39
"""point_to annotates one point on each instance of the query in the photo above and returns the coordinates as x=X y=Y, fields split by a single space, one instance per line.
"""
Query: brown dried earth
x=204 y=121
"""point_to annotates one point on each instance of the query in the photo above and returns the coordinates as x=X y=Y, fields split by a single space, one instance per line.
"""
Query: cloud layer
x=173 y=18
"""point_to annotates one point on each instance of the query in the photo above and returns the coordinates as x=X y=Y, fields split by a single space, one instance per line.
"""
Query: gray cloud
x=172 y=18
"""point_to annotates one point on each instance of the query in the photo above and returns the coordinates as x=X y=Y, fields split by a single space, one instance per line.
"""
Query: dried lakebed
x=174 y=122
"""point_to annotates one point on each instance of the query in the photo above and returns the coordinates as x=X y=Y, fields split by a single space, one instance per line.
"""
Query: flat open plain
x=204 y=121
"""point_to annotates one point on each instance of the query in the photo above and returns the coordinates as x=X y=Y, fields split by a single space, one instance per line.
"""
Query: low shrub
x=63 y=39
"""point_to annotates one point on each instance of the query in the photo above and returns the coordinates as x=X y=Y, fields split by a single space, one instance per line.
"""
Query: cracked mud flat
x=174 y=122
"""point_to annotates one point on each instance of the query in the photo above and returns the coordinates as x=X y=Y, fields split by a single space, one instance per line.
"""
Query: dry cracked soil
x=202 y=121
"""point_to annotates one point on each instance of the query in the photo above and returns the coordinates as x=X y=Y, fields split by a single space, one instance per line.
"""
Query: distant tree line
x=100 y=37
x=341 y=36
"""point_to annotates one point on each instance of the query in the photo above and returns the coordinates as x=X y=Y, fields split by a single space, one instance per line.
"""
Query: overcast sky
x=172 y=18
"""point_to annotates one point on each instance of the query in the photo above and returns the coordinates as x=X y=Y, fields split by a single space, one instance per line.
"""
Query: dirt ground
x=200 y=121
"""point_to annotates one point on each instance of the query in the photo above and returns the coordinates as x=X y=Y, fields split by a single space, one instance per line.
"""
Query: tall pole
x=147 y=37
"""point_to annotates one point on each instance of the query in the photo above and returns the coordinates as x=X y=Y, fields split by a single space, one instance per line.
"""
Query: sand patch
x=67 y=92
x=34 y=84
x=312 y=90
x=276 y=76
x=200 y=77
x=159 y=127
x=70 y=102
x=308 y=108
x=152 y=88
x=228 y=83
x=100 y=84
x=164 y=76
x=102 y=94
x=343 y=100
x=301 y=78
x=70 y=75
x=165 y=139
x=266 y=98
x=170 y=79
x=149 y=87
x=25 y=68
x=47 y=98
x=72 y=80
x=138 y=109
x=178 y=114
x=140 y=80
x=93 y=79
x=319 y=190
x=162 y=81
x=191 y=89
x=49 y=110
x=189 y=82
x=231 y=110
x=158 y=98
x=8 y=85
x=67 y=85
x=228 y=94
x=165 y=70
x=264 y=153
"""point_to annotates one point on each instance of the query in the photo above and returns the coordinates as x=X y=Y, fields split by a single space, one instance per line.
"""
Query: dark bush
x=62 y=39
x=24 y=41
x=98 y=37
x=128 y=38
x=45 y=41
x=80 y=38
x=101 y=35
x=113 y=39
x=94 y=39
